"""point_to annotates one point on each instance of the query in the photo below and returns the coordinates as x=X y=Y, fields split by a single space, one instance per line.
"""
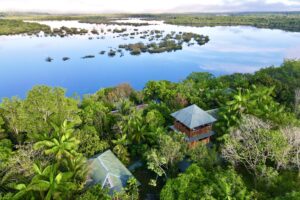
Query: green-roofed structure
x=195 y=123
x=108 y=171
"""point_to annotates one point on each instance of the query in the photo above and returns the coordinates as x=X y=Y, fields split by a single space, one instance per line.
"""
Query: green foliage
x=63 y=144
x=10 y=27
x=254 y=101
x=14 y=117
x=45 y=105
x=56 y=134
x=95 y=114
x=7 y=196
x=162 y=160
x=120 y=148
x=95 y=193
x=154 y=119
x=159 y=90
x=18 y=167
x=58 y=178
x=78 y=166
x=48 y=183
x=200 y=77
x=5 y=150
x=255 y=145
x=90 y=142
x=34 y=115
x=285 y=79
x=290 y=196
x=156 y=163
x=1 y=125
x=197 y=182
x=288 y=22
x=130 y=192
x=206 y=157
x=133 y=126
x=163 y=109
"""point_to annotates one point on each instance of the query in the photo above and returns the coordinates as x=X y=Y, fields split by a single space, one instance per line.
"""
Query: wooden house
x=195 y=123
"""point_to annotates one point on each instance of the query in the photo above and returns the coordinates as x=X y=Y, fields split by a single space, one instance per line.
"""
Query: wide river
x=230 y=49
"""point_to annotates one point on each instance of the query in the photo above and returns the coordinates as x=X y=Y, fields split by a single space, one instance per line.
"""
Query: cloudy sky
x=156 y=6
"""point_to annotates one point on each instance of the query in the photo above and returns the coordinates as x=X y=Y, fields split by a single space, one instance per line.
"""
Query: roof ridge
x=105 y=167
x=194 y=107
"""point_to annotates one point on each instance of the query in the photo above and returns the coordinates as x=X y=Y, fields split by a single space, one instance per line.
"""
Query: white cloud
x=140 y=6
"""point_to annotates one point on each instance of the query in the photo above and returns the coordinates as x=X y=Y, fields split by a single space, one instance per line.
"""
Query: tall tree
x=254 y=145
x=63 y=144
x=95 y=114
x=163 y=159
x=14 y=117
x=255 y=101
x=45 y=105
x=48 y=183
x=90 y=142
x=292 y=135
x=1 y=127
x=197 y=183
x=120 y=148
x=133 y=126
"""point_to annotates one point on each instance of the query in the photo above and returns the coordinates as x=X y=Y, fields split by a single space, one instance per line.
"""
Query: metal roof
x=193 y=117
x=106 y=169
x=214 y=112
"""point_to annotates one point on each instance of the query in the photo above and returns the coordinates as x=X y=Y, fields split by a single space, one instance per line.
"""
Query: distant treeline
x=287 y=22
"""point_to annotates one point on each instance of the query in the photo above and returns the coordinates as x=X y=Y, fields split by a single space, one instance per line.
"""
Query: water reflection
x=230 y=49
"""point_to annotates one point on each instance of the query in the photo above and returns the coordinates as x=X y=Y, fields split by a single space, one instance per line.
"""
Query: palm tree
x=124 y=106
x=78 y=166
x=62 y=144
x=132 y=125
x=120 y=148
x=24 y=192
x=139 y=134
x=48 y=183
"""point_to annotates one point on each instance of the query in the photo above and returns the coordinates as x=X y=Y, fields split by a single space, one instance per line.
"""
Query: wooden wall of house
x=179 y=126
x=200 y=130
x=195 y=143
x=191 y=133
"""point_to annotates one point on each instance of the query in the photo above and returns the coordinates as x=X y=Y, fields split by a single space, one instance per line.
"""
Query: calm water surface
x=230 y=49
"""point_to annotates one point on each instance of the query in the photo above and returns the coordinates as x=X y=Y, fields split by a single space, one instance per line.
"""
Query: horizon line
x=137 y=13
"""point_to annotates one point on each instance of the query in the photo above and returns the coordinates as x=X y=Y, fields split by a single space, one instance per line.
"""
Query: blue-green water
x=230 y=49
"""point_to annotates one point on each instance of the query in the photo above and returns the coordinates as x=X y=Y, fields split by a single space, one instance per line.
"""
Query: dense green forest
x=287 y=22
x=11 y=27
x=47 y=137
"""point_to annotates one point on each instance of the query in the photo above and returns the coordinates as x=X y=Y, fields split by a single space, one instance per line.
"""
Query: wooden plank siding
x=192 y=133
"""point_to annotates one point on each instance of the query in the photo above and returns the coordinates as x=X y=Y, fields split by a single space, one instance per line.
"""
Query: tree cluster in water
x=171 y=42
x=158 y=41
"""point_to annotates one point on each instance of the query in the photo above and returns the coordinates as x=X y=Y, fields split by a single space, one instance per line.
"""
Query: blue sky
x=155 y=6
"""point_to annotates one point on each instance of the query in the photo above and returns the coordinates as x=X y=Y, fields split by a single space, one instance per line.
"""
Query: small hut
x=108 y=171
